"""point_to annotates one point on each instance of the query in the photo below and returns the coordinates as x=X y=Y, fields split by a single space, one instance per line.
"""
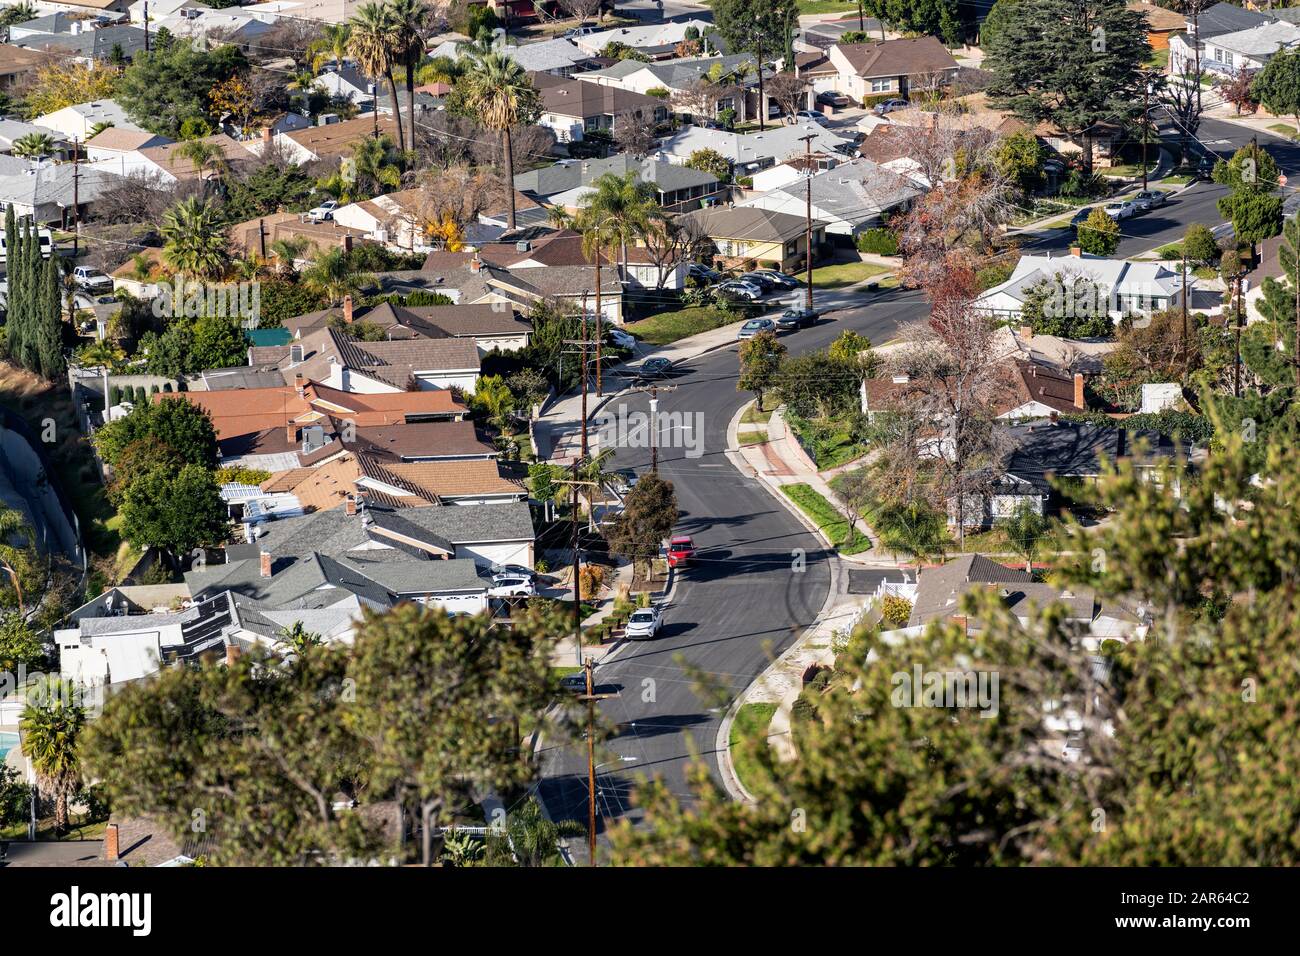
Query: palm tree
x=617 y=209
x=51 y=725
x=18 y=13
x=412 y=18
x=593 y=471
x=297 y=638
x=374 y=166
x=33 y=144
x=14 y=522
x=304 y=81
x=287 y=252
x=375 y=44
x=205 y=155
x=914 y=528
x=503 y=96
x=535 y=840
x=195 y=242
x=461 y=849
x=333 y=277
x=331 y=46
x=494 y=397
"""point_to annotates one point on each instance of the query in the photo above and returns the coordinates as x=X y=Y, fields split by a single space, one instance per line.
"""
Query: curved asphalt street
x=741 y=604
x=738 y=606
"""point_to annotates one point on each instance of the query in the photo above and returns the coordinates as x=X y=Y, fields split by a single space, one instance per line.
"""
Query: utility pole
x=654 y=429
x=600 y=328
x=261 y=237
x=1146 y=106
x=807 y=142
x=577 y=598
x=1236 y=377
x=146 y=26
x=1186 y=353
x=590 y=699
x=76 y=198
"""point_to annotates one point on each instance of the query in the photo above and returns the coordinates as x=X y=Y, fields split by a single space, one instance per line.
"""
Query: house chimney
x=347 y=243
x=1026 y=332
x=351 y=506
x=112 y=849
x=1078 y=391
x=291 y=433
x=266 y=134
x=232 y=651
x=1076 y=251
x=266 y=564
x=300 y=384
x=347 y=309
x=475 y=264
x=1054 y=417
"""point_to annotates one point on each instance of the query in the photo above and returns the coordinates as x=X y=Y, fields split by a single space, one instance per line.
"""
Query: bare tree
x=140 y=197
x=789 y=91
x=286 y=38
x=669 y=242
x=634 y=133
x=449 y=200
x=530 y=144
x=700 y=99
x=581 y=10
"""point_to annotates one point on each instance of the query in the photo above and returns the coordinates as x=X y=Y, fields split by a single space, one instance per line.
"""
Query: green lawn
x=828 y=519
x=753 y=763
x=1159 y=59
x=1284 y=129
x=845 y=273
x=668 y=327
x=830 y=452
x=755 y=437
x=754 y=416
x=1130 y=169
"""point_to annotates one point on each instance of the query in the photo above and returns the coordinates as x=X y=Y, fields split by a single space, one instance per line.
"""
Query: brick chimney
x=1026 y=332
x=1076 y=251
x=347 y=309
x=1078 y=391
x=266 y=134
x=347 y=243
x=291 y=433
x=266 y=564
x=350 y=506
x=300 y=384
x=475 y=264
x=112 y=847
x=232 y=651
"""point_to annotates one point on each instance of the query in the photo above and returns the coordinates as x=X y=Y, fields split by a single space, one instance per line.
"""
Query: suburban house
x=84 y=45
x=939 y=590
x=13 y=130
x=18 y=65
x=683 y=76
x=820 y=37
x=656 y=40
x=572 y=108
x=114 y=143
x=488 y=534
x=678 y=188
x=260 y=235
x=1162 y=23
x=750 y=152
x=332 y=141
x=1251 y=49
x=488 y=325
x=1222 y=19
x=1043 y=452
x=743 y=235
x=81 y=121
x=392 y=219
x=348 y=83
x=336 y=360
x=1121 y=286
x=1024 y=389
x=892 y=66
x=231 y=26
x=848 y=199
x=49 y=195
x=164 y=162
x=559 y=56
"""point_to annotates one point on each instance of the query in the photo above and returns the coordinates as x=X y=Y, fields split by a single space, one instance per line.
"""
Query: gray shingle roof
x=562 y=177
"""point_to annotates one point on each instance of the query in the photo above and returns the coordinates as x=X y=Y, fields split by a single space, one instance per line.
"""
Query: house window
x=727 y=103
x=592 y=122
x=881 y=86
x=791 y=248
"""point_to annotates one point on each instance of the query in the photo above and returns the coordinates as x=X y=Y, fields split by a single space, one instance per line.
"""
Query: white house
x=654 y=40
x=348 y=83
x=849 y=198
x=750 y=152
x=1080 y=281
x=79 y=120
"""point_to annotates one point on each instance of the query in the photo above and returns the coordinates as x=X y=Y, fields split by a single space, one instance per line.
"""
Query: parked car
x=1080 y=215
x=783 y=279
x=576 y=683
x=739 y=289
x=585 y=29
x=812 y=116
x=1150 y=199
x=834 y=98
x=512 y=587
x=680 y=550
x=753 y=327
x=324 y=212
x=625 y=479
x=499 y=571
x=621 y=339
x=91 y=279
x=643 y=624
x=1121 y=209
x=801 y=317
x=654 y=368
x=698 y=270
x=888 y=106
x=764 y=282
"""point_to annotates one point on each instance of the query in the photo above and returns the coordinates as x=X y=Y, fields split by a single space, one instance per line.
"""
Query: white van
x=46 y=240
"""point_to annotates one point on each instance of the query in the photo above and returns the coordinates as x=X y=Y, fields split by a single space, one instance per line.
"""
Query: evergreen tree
x=49 y=325
x=1280 y=306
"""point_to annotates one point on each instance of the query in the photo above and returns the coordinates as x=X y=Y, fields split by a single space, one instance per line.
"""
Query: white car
x=92 y=279
x=621 y=339
x=1121 y=209
x=324 y=212
x=643 y=624
x=811 y=116
x=516 y=587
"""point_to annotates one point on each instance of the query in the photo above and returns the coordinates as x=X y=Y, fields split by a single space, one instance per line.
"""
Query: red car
x=680 y=550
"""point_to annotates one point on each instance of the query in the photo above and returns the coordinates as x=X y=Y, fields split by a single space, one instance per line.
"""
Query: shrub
x=1200 y=244
x=803 y=710
x=880 y=242
x=590 y=580
x=895 y=610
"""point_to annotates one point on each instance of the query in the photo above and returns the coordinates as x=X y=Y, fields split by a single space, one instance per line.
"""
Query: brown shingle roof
x=336 y=139
x=906 y=57
x=167 y=157
x=580 y=99
x=445 y=479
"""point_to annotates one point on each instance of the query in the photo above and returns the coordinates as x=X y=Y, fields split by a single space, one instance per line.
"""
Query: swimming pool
x=7 y=742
